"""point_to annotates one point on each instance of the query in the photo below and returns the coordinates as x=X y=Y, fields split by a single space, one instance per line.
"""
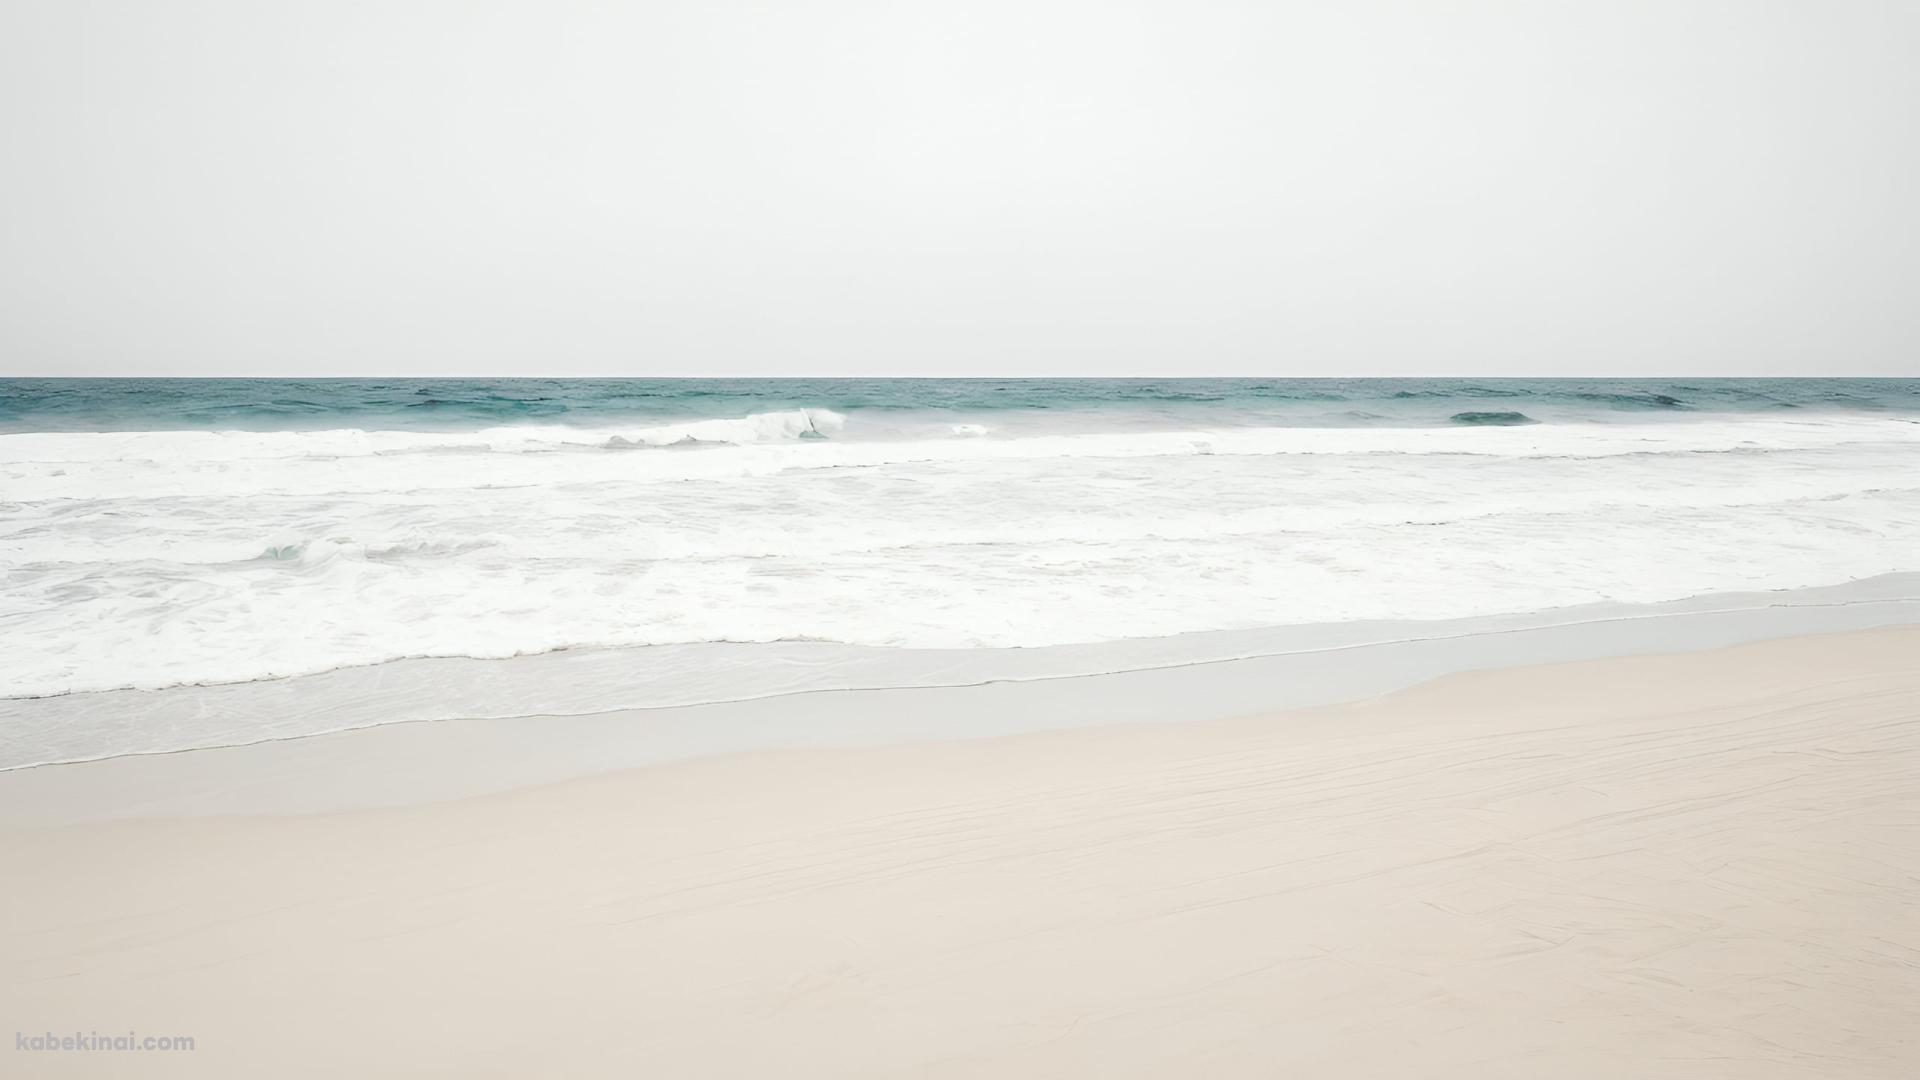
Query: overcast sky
x=688 y=187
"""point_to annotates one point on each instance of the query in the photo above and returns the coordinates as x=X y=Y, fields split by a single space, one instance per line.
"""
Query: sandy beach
x=1695 y=864
x=848 y=541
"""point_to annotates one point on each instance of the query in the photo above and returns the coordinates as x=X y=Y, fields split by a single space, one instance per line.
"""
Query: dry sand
x=1692 y=865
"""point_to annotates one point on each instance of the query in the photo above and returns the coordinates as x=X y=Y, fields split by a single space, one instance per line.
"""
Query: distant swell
x=1493 y=419
x=1635 y=401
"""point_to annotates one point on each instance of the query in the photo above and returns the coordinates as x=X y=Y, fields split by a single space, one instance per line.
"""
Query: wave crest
x=737 y=431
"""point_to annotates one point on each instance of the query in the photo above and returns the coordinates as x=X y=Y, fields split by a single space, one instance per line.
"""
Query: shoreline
x=1667 y=864
x=59 y=730
x=416 y=761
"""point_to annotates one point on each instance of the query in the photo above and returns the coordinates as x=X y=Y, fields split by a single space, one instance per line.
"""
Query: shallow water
x=161 y=532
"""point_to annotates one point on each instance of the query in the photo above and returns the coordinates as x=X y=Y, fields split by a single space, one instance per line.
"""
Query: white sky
x=991 y=187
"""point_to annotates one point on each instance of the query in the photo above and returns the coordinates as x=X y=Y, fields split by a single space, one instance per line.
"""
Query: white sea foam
x=149 y=559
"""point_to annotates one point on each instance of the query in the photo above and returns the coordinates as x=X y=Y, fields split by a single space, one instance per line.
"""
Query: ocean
x=157 y=533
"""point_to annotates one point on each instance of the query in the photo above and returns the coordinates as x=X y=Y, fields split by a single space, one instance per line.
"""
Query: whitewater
x=178 y=538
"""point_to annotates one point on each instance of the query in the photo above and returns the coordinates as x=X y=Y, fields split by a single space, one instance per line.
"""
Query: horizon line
x=945 y=378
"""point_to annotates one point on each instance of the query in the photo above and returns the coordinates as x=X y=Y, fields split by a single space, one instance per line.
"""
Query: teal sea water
x=452 y=404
